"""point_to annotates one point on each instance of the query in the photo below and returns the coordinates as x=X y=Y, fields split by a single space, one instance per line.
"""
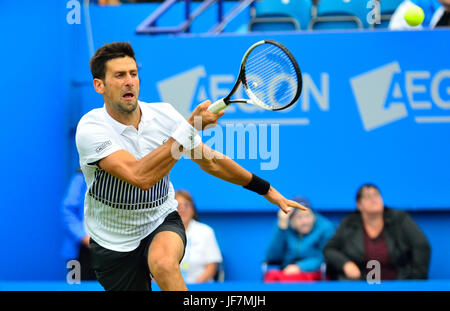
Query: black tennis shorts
x=128 y=271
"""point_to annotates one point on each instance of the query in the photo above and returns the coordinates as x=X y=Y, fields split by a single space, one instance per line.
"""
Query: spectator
x=437 y=14
x=376 y=232
x=297 y=245
x=76 y=240
x=202 y=255
x=109 y=2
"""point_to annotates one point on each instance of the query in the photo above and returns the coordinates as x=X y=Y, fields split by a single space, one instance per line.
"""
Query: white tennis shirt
x=119 y=215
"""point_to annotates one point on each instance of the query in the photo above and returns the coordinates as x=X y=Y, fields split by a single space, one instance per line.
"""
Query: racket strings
x=271 y=76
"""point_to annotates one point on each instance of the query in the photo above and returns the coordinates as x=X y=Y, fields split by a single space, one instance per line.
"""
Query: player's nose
x=129 y=81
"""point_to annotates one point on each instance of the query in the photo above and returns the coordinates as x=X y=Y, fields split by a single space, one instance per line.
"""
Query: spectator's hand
x=283 y=219
x=351 y=270
x=85 y=241
x=292 y=269
x=201 y=117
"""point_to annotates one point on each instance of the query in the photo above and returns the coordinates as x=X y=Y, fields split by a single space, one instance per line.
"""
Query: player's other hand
x=201 y=117
x=273 y=196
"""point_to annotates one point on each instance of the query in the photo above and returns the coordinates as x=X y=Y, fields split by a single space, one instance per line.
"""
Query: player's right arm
x=221 y=166
x=97 y=147
x=142 y=173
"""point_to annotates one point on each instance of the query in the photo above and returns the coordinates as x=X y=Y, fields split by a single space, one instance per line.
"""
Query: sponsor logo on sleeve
x=103 y=146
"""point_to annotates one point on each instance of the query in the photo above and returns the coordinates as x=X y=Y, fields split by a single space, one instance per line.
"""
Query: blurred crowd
x=374 y=242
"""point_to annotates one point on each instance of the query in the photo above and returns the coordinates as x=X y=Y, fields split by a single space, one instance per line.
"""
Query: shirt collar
x=146 y=116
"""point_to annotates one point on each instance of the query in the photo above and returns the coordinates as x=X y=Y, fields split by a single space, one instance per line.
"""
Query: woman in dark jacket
x=374 y=232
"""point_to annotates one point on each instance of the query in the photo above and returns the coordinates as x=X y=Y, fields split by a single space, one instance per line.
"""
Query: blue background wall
x=34 y=83
x=47 y=79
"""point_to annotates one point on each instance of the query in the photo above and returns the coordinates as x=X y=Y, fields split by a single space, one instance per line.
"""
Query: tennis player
x=127 y=149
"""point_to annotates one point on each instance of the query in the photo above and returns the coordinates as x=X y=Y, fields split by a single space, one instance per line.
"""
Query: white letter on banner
x=411 y=88
x=437 y=79
x=215 y=80
x=309 y=87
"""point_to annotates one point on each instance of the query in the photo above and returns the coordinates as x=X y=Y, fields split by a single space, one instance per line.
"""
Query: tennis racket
x=270 y=76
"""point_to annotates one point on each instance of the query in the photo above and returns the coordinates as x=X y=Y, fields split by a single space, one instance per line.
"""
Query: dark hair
x=107 y=52
x=362 y=187
x=187 y=196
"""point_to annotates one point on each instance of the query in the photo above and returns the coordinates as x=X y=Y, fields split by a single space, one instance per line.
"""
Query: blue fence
x=374 y=108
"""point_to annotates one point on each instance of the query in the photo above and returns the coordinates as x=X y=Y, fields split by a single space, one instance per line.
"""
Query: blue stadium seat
x=339 y=14
x=280 y=15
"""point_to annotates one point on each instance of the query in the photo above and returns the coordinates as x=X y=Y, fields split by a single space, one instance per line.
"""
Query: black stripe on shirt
x=117 y=193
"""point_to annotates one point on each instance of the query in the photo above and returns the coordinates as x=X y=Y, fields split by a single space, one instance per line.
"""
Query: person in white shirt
x=127 y=149
x=437 y=14
x=202 y=255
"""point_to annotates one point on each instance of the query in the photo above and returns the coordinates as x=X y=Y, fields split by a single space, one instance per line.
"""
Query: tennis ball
x=414 y=16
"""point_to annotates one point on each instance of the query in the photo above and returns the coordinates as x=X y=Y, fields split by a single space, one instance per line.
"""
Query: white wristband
x=187 y=136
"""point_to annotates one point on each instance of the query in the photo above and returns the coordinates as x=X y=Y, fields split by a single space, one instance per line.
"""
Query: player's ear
x=99 y=85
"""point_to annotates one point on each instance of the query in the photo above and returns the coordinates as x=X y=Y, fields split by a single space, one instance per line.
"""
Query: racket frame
x=224 y=102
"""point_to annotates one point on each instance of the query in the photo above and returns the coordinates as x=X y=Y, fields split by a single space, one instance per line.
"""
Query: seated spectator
x=297 y=245
x=76 y=240
x=202 y=255
x=375 y=232
x=109 y=2
x=437 y=14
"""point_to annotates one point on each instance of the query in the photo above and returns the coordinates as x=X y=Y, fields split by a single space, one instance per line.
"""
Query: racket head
x=270 y=75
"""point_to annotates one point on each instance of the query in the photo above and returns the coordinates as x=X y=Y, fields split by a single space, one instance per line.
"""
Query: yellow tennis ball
x=414 y=15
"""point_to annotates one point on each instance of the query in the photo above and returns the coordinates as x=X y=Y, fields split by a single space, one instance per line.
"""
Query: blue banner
x=375 y=107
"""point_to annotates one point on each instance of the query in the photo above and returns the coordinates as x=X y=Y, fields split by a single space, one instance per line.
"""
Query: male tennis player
x=126 y=152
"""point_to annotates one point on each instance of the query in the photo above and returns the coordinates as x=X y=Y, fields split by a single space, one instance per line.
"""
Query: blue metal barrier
x=149 y=25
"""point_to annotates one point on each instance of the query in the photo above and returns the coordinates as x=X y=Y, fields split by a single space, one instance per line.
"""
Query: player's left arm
x=221 y=166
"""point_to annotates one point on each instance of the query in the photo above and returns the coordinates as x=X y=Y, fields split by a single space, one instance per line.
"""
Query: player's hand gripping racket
x=270 y=76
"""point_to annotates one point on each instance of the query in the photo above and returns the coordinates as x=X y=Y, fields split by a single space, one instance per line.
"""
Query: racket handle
x=217 y=106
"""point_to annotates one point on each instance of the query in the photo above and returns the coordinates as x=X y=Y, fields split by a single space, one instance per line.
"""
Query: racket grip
x=217 y=106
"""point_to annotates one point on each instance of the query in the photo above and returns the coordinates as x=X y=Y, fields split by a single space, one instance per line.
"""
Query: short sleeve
x=94 y=142
x=184 y=133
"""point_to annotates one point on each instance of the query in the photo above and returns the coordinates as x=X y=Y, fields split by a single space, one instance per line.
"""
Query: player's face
x=303 y=222
x=371 y=201
x=185 y=209
x=121 y=84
